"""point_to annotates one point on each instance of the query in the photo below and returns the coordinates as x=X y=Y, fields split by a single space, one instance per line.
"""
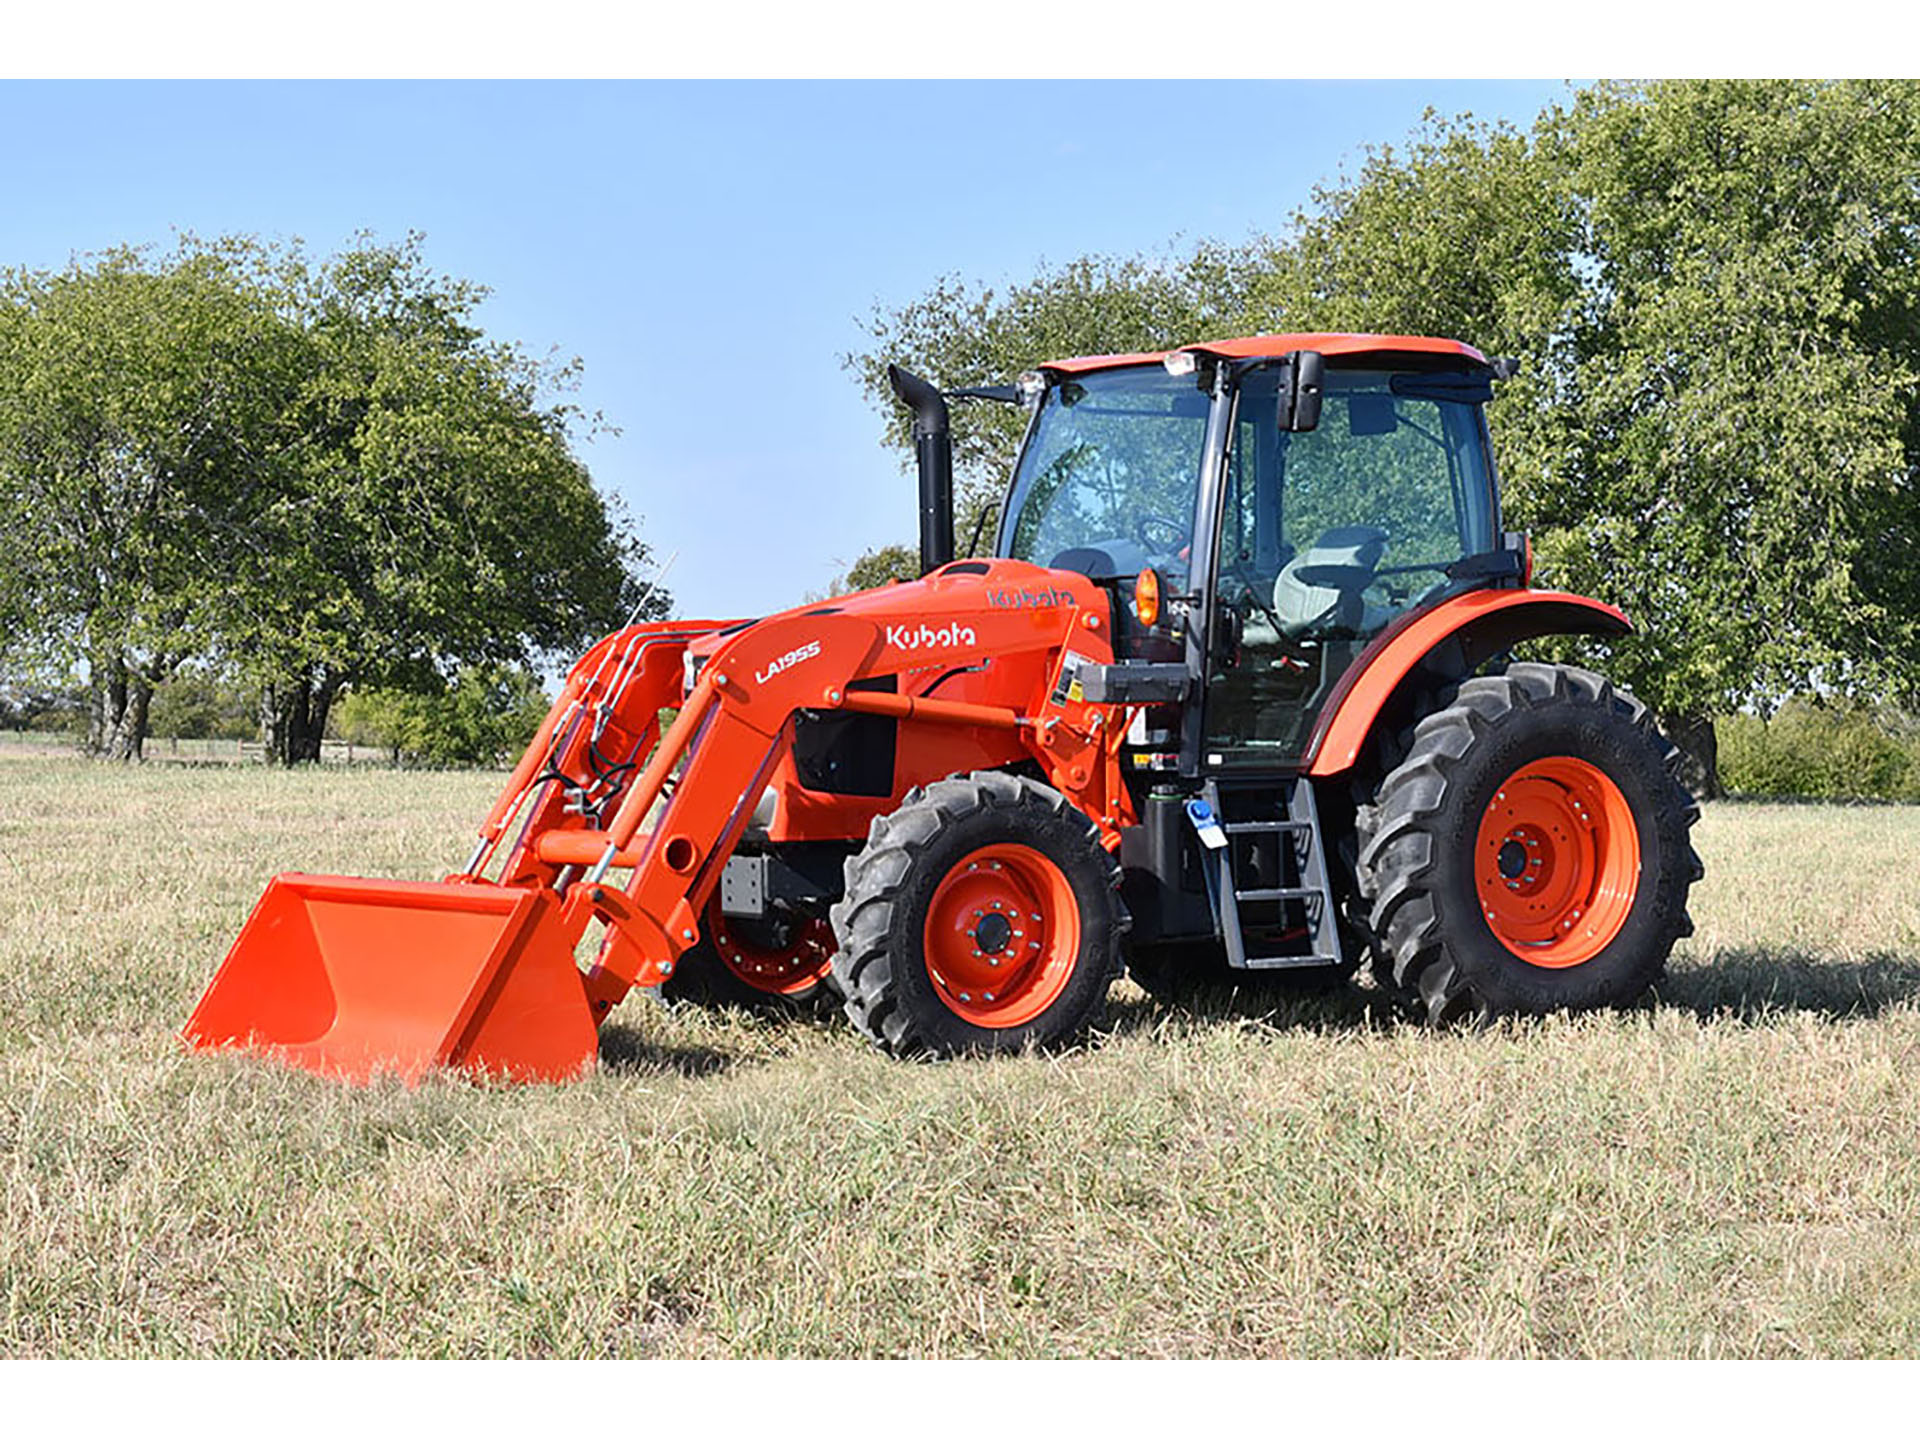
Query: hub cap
x=1002 y=935
x=1557 y=862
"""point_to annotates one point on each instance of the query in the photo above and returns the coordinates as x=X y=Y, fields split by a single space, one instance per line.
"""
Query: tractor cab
x=1280 y=537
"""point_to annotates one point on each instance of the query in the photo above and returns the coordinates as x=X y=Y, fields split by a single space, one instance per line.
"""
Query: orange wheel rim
x=1002 y=936
x=1556 y=862
x=787 y=969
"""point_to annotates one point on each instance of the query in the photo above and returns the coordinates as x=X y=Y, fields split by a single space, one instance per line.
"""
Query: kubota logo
x=788 y=661
x=1045 y=599
x=925 y=637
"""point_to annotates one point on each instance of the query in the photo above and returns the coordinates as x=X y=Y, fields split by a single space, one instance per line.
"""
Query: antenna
x=651 y=586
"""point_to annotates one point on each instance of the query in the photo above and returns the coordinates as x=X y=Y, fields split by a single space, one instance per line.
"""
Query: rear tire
x=982 y=915
x=1531 y=852
x=777 y=965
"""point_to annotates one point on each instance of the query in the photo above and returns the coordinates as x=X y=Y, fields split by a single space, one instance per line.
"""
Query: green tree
x=882 y=567
x=307 y=474
x=198 y=704
x=433 y=513
x=1711 y=285
x=959 y=333
x=1739 y=472
x=138 y=408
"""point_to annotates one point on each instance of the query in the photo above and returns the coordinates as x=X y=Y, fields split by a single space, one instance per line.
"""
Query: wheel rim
x=1557 y=862
x=1002 y=936
x=788 y=968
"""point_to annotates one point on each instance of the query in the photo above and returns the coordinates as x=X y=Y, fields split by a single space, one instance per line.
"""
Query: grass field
x=1733 y=1171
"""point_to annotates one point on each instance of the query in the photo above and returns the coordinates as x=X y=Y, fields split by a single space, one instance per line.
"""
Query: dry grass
x=1734 y=1171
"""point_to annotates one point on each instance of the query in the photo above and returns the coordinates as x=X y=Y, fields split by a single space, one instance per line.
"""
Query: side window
x=1376 y=460
x=1330 y=533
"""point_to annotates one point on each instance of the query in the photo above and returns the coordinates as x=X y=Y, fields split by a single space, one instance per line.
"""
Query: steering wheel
x=1174 y=528
x=1250 y=593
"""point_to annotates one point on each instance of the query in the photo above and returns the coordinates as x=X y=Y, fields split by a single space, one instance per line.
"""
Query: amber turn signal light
x=1146 y=597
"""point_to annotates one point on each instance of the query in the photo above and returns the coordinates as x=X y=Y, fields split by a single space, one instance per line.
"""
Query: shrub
x=1822 y=751
x=486 y=715
x=196 y=705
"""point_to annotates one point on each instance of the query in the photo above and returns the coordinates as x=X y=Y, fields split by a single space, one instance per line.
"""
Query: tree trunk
x=130 y=739
x=106 y=698
x=1699 y=755
x=319 y=707
x=303 y=741
x=117 y=712
x=273 y=734
x=293 y=719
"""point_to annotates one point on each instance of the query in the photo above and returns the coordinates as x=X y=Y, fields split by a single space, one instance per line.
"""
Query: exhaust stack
x=933 y=447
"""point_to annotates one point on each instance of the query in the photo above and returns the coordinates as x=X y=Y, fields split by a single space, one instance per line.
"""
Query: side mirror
x=1301 y=382
x=1521 y=543
x=1225 y=640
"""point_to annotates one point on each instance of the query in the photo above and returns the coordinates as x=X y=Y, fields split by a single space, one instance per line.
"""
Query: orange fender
x=1485 y=621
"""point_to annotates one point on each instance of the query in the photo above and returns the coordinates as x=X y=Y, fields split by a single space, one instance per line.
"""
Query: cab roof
x=1260 y=346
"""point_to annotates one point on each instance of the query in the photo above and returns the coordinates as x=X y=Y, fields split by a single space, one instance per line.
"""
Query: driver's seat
x=1300 y=607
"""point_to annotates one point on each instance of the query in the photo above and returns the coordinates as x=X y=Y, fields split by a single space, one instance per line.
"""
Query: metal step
x=1290 y=962
x=1314 y=893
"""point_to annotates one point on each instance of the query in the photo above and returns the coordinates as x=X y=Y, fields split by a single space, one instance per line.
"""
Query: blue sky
x=707 y=248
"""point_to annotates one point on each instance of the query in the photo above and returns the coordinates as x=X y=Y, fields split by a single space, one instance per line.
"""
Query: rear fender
x=1480 y=624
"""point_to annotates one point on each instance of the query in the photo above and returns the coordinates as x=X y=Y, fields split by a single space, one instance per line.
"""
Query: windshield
x=1106 y=484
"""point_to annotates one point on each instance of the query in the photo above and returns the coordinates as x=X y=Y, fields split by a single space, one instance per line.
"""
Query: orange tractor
x=1228 y=702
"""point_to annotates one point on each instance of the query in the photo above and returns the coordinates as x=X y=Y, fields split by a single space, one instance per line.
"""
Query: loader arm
x=603 y=725
x=737 y=724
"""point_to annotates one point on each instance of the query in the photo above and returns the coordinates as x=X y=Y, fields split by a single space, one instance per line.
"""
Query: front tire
x=982 y=915
x=1531 y=852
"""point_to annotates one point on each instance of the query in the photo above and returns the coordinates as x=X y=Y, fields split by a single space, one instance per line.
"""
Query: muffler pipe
x=933 y=448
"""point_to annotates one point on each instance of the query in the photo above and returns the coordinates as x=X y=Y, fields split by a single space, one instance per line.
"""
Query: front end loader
x=1230 y=701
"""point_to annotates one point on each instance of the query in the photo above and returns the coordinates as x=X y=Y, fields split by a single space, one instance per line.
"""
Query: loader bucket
x=358 y=978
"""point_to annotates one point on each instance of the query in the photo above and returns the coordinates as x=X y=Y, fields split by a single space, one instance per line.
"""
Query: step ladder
x=1296 y=832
